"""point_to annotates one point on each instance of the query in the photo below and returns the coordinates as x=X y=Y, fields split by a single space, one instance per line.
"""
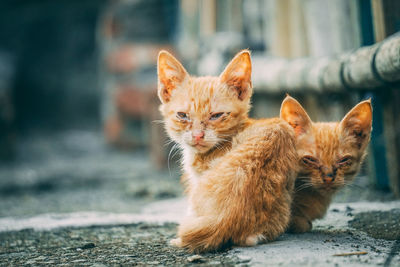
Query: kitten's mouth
x=199 y=145
x=202 y=147
x=329 y=187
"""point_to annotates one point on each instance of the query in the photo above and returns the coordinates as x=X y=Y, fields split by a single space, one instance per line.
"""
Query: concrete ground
x=68 y=200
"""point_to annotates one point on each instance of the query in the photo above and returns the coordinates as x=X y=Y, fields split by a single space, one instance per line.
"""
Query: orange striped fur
x=330 y=156
x=239 y=172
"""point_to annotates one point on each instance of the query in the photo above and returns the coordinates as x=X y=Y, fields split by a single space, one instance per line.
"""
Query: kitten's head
x=201 y=112
x=330 y=153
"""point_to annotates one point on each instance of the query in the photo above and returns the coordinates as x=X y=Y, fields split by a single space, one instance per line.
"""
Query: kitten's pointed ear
x=237 y=75
x=171 y=73
x=295 y=115
x=358 y=122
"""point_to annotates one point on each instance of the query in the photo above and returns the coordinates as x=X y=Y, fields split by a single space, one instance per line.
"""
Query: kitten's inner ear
x=358 y=122
x=171 y=73
x=237 y=75
x=295 y=115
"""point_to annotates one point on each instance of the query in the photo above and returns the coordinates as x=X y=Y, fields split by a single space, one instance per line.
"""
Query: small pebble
x=348 y=208
x=88 y=245
x=244 y=259
x=195 y=258
x=77 y=261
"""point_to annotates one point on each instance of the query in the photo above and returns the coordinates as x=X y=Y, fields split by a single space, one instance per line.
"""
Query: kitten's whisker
x=305 y=205
x=302 y=187
x=305 y=185
x=305 y=178
x=168 y=142
x=175 y=146
x=176 y=152
x=349 y=184
x=219 y=146
x=158 y=121
x=226 y=135
x=224 y=149
x=222 y=143
x=224 y=140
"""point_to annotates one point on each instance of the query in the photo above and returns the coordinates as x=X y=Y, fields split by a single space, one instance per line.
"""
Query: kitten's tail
x=206 y=233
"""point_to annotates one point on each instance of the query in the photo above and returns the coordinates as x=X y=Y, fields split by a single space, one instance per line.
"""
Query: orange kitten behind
x=239 y=172
x=330 y=156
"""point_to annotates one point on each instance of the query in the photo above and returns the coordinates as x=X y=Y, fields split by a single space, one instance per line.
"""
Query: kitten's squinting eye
x=216 y=116
x=310 y=161
x=345 y=161
x=182 y=116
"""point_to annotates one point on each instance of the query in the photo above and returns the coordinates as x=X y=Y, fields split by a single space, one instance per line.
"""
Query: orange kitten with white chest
x=239 y=171
x=330 y=156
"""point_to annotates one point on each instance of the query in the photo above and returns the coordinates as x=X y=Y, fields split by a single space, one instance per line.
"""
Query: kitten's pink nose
x=198 y=135
x=329 y=178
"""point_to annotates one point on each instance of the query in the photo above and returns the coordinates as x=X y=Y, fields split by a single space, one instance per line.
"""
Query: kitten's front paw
x=177 y=242
x=253 y=240
x=299 y=225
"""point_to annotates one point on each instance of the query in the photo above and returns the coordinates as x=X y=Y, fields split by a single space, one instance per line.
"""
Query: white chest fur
x=191 y=172
x=192 y=175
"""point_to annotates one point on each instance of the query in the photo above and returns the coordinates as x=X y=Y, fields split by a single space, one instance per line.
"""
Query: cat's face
x=202 y=112
x=330 y=153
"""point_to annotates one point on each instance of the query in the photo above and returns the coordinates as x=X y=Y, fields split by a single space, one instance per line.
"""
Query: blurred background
x=78 y=103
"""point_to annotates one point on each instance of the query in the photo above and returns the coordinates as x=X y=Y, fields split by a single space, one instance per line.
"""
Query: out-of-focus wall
x=52 y=44
x=130 y=36
x=272 y=28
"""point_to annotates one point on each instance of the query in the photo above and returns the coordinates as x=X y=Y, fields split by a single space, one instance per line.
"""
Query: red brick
x=129 y=57
x=113 y=130
x=131 y=101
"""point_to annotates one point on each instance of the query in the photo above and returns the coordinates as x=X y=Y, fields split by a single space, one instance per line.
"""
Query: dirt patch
x=379 y=224
x=136 y=244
